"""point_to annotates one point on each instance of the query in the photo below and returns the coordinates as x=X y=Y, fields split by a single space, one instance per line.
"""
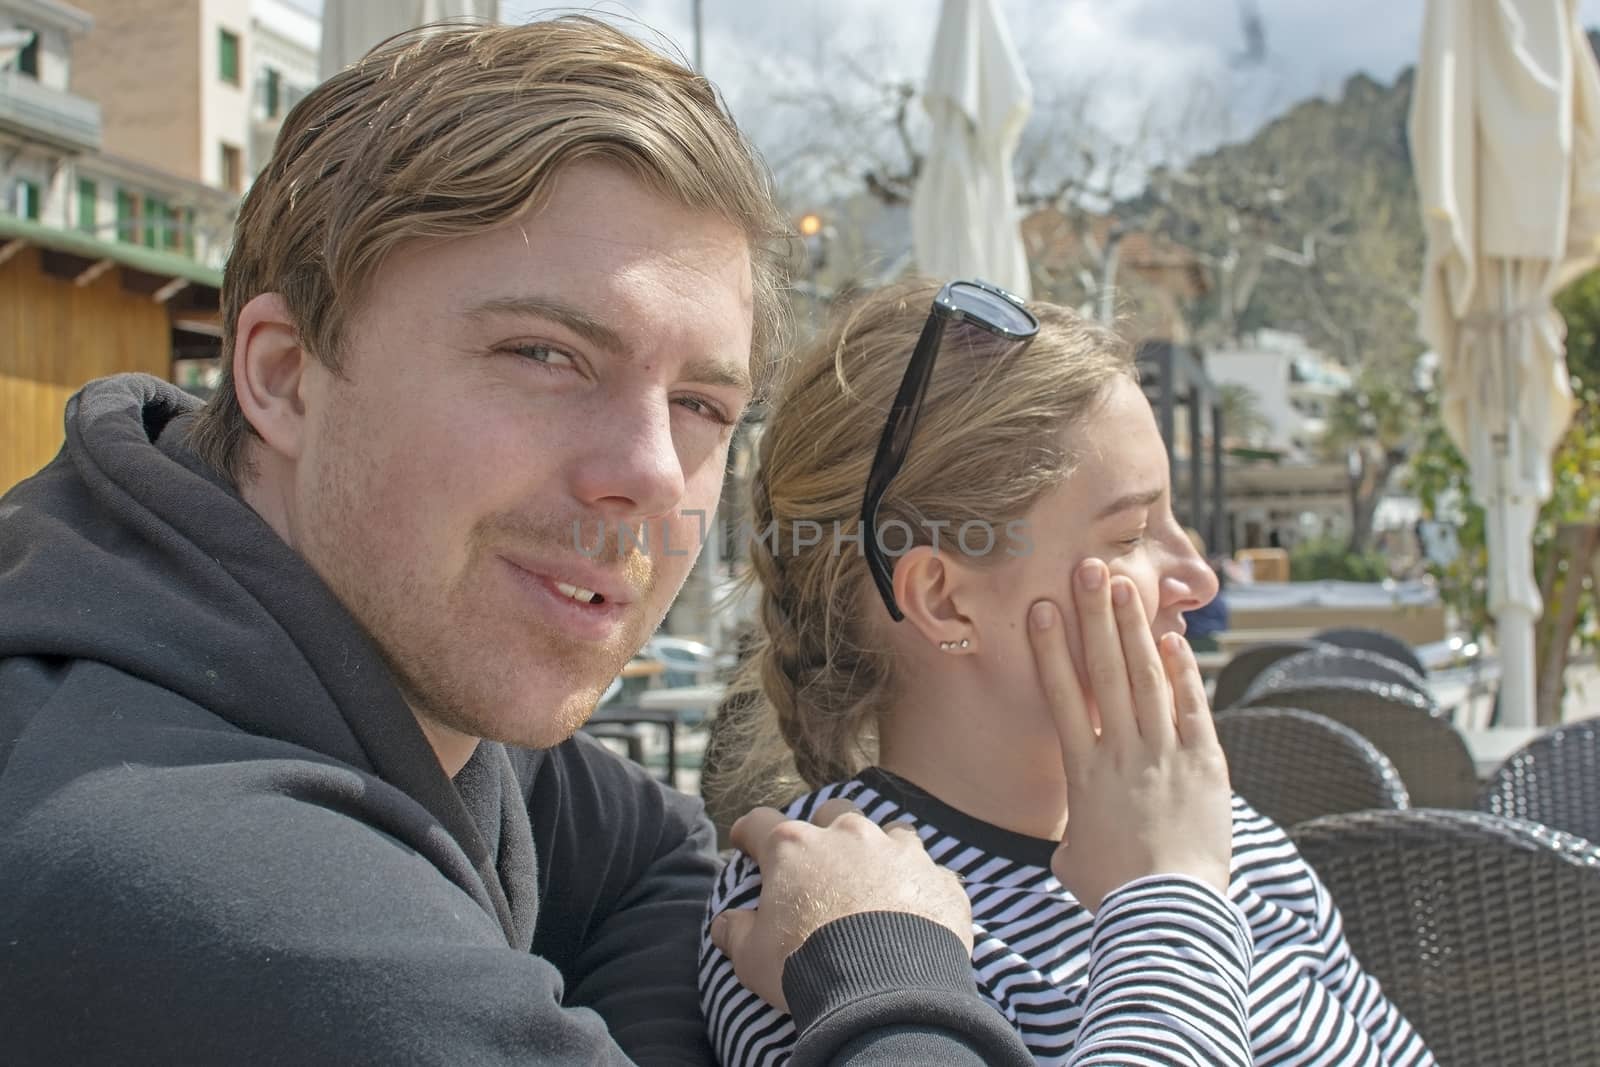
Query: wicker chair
x=1334 y=662
x=1237 y=674
x=1295 y=765
x=1554 y=779
x=1484 y=931
x=1430 y=755
x=1385 y=644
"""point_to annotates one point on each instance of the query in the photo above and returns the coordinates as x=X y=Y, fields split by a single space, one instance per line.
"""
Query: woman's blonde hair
x=990 y=441
x=451 y=130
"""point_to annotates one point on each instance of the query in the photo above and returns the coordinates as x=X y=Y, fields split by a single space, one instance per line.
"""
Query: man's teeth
x=587 y=596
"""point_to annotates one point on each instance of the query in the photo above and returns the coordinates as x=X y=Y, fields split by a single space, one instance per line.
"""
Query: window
x=231 y=169
x=28 y=58
x=228 y=56
x=25 y=199
x=127 y=216
x=271 y=92
x=87 y=195
x=188 y=231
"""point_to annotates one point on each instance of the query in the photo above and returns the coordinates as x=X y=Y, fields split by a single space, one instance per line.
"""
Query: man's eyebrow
x=1129 y=501
x=579 y=322
x=698 y=372
x=718 y=374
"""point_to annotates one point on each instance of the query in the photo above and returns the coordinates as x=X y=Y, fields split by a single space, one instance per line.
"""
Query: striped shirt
x=1166 y=973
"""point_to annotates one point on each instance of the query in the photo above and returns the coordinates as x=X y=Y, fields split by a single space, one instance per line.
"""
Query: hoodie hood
x=126 y=550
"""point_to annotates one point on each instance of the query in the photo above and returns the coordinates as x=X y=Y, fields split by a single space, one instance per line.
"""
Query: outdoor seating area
x=1465 y=859
x=1468 y=879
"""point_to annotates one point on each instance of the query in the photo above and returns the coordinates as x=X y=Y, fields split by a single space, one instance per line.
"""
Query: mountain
x=1322 y=201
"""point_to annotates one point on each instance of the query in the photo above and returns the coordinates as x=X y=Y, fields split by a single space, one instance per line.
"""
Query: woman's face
x=1115 y=506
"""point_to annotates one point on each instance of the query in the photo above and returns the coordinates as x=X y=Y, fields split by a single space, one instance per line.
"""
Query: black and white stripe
x=1136 y=984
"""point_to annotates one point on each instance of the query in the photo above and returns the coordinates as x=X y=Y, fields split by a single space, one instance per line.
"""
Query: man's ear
x=269 y=371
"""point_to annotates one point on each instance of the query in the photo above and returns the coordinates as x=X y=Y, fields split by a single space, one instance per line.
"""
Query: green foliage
x=1330 y=558
x=1579 y=304
x=1242 y=418
x=1440 y=479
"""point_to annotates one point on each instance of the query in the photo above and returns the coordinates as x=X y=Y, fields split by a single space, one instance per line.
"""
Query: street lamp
x=814 y=234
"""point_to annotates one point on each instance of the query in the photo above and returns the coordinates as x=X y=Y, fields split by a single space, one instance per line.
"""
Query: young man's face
x=504 y=399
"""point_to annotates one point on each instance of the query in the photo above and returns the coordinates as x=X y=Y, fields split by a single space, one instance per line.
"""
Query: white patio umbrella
x=1505 y=135
x=964 y=220
x=351 y=27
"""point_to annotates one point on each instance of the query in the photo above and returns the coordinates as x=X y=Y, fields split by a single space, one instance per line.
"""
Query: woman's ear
x=932 y=586
x=269 y=370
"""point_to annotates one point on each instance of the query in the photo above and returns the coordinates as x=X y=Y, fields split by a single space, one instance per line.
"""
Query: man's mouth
x=583 y=596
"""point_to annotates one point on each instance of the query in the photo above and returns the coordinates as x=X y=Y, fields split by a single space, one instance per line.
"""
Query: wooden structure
x=74 y=308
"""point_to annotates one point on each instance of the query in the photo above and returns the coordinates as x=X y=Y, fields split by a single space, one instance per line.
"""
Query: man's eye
x=706 y=409
x=545 y=354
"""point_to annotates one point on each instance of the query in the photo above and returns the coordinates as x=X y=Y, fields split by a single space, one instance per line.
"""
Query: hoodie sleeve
x=625 y=868
x=871 y=989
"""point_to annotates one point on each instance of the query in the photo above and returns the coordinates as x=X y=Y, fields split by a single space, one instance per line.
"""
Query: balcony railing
x=52 y=115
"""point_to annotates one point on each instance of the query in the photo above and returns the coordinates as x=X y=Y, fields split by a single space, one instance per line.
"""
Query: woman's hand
x=1148 y=795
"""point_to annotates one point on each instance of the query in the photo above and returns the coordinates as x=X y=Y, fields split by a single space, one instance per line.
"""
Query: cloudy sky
x=1136 y=54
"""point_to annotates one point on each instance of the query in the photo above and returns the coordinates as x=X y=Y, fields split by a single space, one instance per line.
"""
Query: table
x=642 y=668
x=701 y=700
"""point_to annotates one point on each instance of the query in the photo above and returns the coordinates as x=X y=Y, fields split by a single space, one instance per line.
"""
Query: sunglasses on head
x=960 y=306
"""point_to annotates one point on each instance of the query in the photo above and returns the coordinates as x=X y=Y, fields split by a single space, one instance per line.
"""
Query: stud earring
x=948 y=645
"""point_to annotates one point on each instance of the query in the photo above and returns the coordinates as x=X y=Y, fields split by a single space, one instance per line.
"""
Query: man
x=289 y=686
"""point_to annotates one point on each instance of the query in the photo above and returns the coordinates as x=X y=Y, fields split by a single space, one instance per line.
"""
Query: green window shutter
x=228 y=51
x=152 y=221
x=87 y=195
x=127 y=208
x=28 y=58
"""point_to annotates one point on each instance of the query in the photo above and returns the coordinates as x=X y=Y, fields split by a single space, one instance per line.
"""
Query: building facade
x=96 y=117
x=44 y=125
x=284 y=39
x=1294 y=385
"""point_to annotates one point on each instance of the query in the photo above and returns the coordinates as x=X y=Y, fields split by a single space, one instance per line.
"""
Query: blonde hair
x=451 y=130
x=990 y=441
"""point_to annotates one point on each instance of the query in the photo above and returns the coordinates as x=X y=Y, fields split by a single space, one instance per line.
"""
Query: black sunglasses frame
x=949 y=308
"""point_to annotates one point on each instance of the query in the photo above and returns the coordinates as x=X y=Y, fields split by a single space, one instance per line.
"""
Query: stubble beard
x=458 y=656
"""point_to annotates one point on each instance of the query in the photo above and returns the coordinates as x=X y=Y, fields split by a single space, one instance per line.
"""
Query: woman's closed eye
x=1132 y=540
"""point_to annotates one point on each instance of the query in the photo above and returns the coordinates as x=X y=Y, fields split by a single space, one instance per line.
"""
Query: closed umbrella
x=964 y=208
x=1505 y=137
x=351 y=27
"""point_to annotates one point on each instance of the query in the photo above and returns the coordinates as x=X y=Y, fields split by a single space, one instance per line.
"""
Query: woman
x=899 y=673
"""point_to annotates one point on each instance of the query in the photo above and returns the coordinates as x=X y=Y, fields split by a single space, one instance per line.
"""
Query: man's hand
x=1148 y=795
x=839 y=864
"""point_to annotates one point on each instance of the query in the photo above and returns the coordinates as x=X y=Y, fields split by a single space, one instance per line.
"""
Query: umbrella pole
x=1513 y=618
